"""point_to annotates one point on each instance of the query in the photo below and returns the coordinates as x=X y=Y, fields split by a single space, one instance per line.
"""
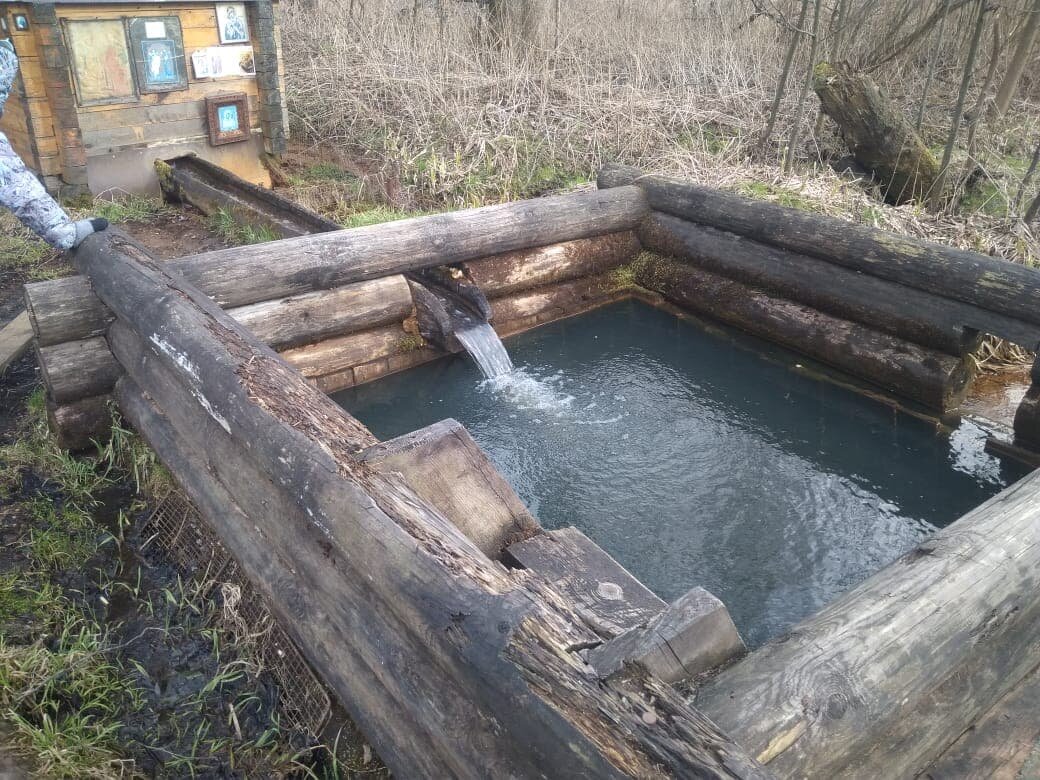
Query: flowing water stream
x=694 y=460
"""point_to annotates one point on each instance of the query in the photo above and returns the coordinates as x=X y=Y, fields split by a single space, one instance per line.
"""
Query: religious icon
x=100 y=61
x=160 y=65
x=231 y=23
x=21 y=22
x=158 y=53
x=228 y=117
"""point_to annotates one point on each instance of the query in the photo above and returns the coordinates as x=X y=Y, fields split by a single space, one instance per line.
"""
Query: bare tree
x=958 y=111
x=1026 y=39
x=781 y=88
x=932 y=62
x=796 y=128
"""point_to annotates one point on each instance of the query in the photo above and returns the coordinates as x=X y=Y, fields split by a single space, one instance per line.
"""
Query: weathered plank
x=446 y=467
x=525 y=269
x=15 y=338
x=605 y=594
x=694 y=634
x=1003 y=745
x=939 y=323
x=883 y=679
x=451 y=665
x=936 y=380
x=991 y=284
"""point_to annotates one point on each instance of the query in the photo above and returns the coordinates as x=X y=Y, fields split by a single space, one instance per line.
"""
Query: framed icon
x=21 y=22
x=100 y=61
x=231 y=23
x=228 y=118
x=158 y=53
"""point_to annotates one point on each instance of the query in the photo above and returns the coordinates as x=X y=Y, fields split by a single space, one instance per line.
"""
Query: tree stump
x=878 y=135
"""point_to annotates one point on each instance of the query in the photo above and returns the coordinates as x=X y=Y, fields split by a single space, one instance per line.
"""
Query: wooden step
x=605 y=594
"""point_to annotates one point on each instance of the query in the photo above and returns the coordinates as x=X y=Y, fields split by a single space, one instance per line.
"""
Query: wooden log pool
x=431 y=599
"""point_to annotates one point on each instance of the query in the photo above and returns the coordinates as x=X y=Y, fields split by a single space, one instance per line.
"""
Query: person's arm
x=20 y=190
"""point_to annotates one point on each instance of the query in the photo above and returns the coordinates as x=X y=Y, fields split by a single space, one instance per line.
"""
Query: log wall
x=337 y=306
x=896 y=312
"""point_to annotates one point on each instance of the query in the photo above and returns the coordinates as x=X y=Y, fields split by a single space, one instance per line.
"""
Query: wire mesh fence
x=176 y=527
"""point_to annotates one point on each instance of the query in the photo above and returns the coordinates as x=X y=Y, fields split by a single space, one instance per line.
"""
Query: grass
x=234 y=231
x=376 y=215
x=81 y=697
x=129 y=208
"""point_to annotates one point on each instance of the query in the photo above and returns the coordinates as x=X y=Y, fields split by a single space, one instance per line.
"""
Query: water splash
x=485 y=347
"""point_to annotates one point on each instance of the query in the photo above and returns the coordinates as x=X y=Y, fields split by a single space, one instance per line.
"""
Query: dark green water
x=694 y=461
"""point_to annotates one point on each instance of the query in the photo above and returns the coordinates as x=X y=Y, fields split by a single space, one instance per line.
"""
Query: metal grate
x=178 y=529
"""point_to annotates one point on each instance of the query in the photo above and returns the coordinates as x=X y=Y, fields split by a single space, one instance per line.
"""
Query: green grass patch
x=984 y=197
x=780 y=195
x=376 y=215
x=233 y=231
x=132 y=208
x=326 y=171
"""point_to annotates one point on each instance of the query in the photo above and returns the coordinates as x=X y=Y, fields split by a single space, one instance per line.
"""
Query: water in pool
x=695 y=461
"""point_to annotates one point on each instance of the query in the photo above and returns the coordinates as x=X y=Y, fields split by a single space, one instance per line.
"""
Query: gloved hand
x=85 y=227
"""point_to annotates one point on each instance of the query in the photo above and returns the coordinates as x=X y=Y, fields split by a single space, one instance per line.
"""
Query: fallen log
x=936 y=380
x=525 y=269
x=880 y=138
x=990 y=284
x=66 y=309
x=77 y=370
x=452 y=666
x=914 y=315
x=882 y=680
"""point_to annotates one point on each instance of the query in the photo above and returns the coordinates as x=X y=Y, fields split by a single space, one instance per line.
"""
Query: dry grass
x=430 y=115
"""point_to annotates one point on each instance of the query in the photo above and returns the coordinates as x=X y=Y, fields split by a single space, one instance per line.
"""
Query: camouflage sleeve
x=20 y=190
x=22 y=193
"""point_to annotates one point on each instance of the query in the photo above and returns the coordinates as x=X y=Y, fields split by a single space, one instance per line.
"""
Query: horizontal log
x=243 y=275
x=904 y=369
x=552 y=301
x=64 y=309
x=338 y=354
x=938 y=323
x=78 y=369
x=77 y=425
x=883 y=679
x=993 y=285
x=525 y=269
x=312 y=317
x=450 y=664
